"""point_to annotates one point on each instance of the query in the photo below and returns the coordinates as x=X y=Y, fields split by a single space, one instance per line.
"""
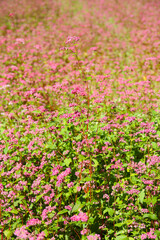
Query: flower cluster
x=80 y=217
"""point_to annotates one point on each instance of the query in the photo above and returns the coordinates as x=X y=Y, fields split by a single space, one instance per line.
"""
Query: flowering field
x=79 y=119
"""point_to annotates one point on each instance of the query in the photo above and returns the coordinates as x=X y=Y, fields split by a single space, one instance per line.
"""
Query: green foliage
x=80 y=120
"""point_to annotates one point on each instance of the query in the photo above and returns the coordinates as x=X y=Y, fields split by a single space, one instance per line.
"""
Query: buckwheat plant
x=79 y=120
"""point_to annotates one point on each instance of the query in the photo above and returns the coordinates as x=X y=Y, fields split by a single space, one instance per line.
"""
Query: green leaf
x=110 y=231
x=2 y=129
x=36 y=111
x=8 y=233
x=154 y=200
x=141 y=196
x=133 y=178
x=151 y=216
x=67 y=161
x=77 y=206
x=88 y=78
x=5 y=150
x=46 y=232
x=148 y=200
x=87 y=179
x=108 y=166
x=90 y=220
x=128 y=222
x=121 y=232
x=119 y=224
x=122 y=237
x=146 y=215
x=16 y=203
x=14 y=211
x=39 y=197
x=154 y=145
x=64 y=132
x=63 y=211
x=109 y=210
x=51 y=215
x=96 y=163
x=50 y=145
x=157 y=232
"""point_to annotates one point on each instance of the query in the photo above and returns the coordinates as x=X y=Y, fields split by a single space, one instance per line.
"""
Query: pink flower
x=149 y=182
x=84 y=231
x=64 y=174
x=19 y=40
x=75 y=218
x=1 y=186
x=71 y=184
x=94 y=237
x=83 y=217
x=151 y=234
x=55 y=171
x=106 y=196
x=11 y=14
x=58 y=183
x=143 y=236
x=144 y=210
x=77 y=174
x=41 y=236
x=80 y=217
x=72 y=39
x=33 y=222
x=66 y=152
x=22 y=233
x=68 y=207
x=78 y=189
x=83 y=153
